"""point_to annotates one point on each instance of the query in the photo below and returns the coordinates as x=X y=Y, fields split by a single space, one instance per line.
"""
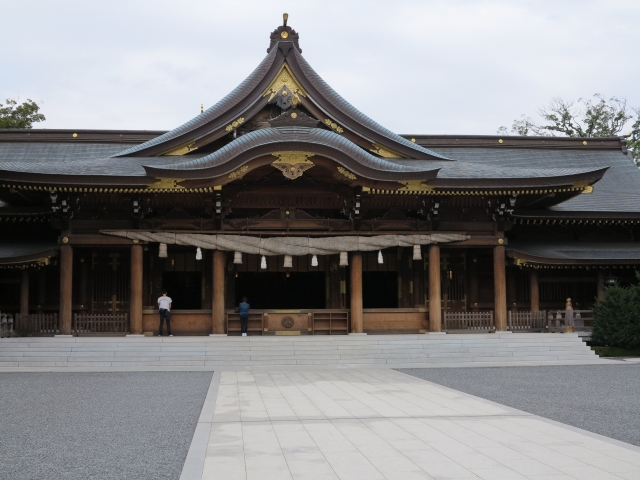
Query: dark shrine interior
x=275 y=290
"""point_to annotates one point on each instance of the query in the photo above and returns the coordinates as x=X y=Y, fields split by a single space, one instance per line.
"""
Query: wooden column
x=218 y=293
x=500 y=288
x=435 y=307
x=356 y=293
x=534 y=291
x=600 y=291
x=135 y=301
x=24 y=292
x=66 y=288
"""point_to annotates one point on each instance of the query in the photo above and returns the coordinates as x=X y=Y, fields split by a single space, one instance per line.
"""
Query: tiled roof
x=13 y=253
x=576 y=251
x=209 y=115
x=618 y=191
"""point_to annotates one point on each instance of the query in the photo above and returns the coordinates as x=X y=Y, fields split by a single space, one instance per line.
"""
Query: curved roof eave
x=213 y=113
x=250 y=92
x=332 y=145
x=331 y=101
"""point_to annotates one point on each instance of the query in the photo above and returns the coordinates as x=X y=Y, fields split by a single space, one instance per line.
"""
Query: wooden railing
x=527 y=321
x=100 y=324
x=475 y=321
x=36 y=324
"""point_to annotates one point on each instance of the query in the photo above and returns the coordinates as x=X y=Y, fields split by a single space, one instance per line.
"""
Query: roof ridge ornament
x=284 y=34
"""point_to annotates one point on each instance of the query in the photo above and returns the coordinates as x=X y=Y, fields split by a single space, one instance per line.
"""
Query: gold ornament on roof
x=235 y=124
x=285 y=79
x=333 y=125
x=284 y=34
x=346 y=173
x=414 y=186
x=384 y=152
x=293 y=164
x=182 y=150
x=166 y=184
x=239 y=172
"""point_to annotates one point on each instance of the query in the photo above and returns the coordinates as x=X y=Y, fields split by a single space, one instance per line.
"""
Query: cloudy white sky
x=429 y=66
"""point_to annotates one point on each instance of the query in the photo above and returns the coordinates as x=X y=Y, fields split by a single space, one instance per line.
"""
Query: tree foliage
x=591 y=117
x=617 y=317
x=23 y=115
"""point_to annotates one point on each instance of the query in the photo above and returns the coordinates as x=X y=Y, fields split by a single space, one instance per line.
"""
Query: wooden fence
x=97 y=323
x=474 y=321
x=37 y=324
x=527 y=321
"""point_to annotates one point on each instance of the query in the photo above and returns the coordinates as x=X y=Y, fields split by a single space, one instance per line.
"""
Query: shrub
x=617 y=317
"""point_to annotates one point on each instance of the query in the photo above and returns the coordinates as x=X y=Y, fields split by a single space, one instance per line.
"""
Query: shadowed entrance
x=276 y=290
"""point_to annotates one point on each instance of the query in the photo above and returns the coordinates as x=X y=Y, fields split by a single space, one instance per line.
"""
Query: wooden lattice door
x=111 y=282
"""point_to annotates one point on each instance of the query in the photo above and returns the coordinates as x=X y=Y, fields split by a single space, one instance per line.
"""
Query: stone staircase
x=353 y=350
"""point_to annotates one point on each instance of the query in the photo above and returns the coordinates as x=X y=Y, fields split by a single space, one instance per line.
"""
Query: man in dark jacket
x=243 y=309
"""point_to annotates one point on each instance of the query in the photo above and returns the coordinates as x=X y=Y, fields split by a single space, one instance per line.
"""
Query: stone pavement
x=322 y=424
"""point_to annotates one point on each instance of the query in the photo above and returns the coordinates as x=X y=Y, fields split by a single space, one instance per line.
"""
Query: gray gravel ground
x=102 y=426
x=603 y=399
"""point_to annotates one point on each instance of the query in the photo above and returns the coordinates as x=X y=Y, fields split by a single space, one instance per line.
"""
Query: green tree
x=24 y=115
x=617 y=317
x=594 y=117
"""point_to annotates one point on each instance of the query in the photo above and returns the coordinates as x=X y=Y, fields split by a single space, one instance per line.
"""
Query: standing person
x=164 y=304
x=243 y=309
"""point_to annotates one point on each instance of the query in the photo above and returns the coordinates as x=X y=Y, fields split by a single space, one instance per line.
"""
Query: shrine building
x=327 y=221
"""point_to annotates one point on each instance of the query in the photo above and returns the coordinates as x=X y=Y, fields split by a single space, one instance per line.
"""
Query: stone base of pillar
x=503 y=331
x=63 y=336
x=357 y=333
x=435 y=333
x=135 y=335
x=217 y=334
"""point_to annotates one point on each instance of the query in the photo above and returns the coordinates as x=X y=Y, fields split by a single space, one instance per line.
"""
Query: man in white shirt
x=164 y=304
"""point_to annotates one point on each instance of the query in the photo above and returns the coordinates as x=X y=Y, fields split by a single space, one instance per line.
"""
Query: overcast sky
x=423 y=67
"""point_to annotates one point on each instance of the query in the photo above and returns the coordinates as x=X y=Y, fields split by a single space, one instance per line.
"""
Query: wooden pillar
x=356 y=293
x=66 y=288
x=500 y=288
x=217 y=307
x=24 y=292
x=600 y=291
x=534 y=291
x=435 y=307
x=135 y=301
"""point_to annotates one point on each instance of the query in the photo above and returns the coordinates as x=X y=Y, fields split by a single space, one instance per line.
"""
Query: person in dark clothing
x=243 y=309
x=164 y=304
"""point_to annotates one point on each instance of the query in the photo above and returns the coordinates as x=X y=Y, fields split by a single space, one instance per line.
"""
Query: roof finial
x=285 y=17
x=201 y=108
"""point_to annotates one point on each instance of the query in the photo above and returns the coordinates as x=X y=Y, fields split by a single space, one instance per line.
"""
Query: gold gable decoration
x=285 y=79
x=293 y=164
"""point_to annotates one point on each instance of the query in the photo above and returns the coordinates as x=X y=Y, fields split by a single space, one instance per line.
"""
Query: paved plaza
x=317 y=423
x=382 y=424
